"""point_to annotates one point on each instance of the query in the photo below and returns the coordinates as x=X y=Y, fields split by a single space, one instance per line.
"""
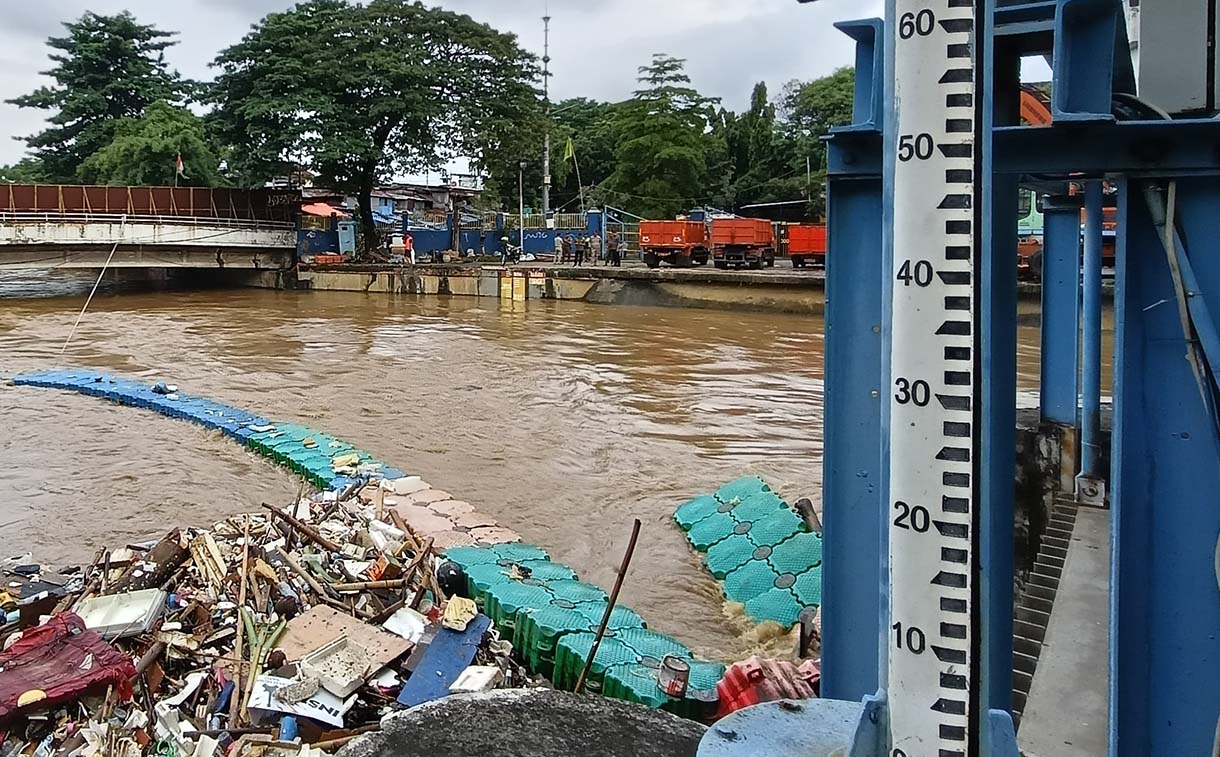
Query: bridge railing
x=27 y=218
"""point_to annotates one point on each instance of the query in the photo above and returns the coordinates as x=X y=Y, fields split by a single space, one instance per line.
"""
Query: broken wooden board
x=321 y=625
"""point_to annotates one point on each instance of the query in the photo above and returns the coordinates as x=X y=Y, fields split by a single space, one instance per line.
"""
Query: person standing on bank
x=614 y=255
x=595 y=250
x=582 y=246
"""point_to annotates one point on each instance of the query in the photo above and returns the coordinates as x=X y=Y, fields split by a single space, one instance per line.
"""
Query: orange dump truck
x=742 y=241
x=679 y=243
x=807 y=244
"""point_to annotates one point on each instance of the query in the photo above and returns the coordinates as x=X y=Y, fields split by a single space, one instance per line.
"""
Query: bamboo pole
x=305 y=529
x=618 y=585
x=234 y=704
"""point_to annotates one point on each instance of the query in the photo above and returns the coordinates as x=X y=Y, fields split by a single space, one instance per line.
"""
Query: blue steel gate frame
x=1165 y=617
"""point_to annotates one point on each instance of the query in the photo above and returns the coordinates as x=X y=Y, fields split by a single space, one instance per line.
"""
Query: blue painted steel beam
x=868 y=103
x=1134 y=148
x=996 y=289
x=853 y=496
x=1060 y=310
x=1165 y=600
x=1137 y=148
x=1090 y=338
x=857 y=154
x=1085 y=35
x=853 y=510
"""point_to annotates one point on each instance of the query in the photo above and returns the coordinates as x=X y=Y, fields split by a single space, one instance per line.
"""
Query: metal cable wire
x=92 y=292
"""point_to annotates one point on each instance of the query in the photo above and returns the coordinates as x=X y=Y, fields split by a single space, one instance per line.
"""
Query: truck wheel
x=720 y=264
x=798 y=262
x=756 y=265
x=680 y=260
x=651 y=260
x=771 y=262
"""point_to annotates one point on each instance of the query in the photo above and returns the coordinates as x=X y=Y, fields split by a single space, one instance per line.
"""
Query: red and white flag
x=180 y=167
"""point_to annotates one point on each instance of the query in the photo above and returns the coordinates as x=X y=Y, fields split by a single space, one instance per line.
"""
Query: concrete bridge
x=71 y=226
x=86 y=240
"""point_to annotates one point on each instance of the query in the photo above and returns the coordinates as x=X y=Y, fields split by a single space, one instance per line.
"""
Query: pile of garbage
x=289 y=631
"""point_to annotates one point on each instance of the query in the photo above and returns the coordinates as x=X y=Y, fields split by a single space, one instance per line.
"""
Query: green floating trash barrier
x=761 y=549
x=551 y=618
x=575 y=649
x=505 y=600
x=637 y=682
x=539 y=631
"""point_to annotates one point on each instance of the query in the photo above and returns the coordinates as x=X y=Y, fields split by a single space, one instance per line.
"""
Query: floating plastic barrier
x=761 y=549
x=306 y=451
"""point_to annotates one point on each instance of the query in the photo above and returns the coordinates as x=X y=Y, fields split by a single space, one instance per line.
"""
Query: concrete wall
x=1047 y=457
x=730 y=297
x=771 y=293
x=774 y=291
x=95 y=232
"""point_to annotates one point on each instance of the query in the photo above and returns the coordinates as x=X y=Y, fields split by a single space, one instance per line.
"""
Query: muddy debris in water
x=284 y=632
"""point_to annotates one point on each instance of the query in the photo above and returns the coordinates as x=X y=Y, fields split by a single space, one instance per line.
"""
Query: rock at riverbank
x=531 y=723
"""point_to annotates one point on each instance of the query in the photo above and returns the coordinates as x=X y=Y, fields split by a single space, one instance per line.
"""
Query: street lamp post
x=546 y=90
x=521 y=205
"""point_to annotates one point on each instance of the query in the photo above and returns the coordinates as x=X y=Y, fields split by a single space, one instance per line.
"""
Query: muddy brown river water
x=562 y=420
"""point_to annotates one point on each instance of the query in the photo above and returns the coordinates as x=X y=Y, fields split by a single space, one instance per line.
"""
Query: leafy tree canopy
x=662 y=142
x=145 y=151
x=754 y=156
x=591 y=127
x=107 y=68
x=811 y=109
x=24 y=171
x=362 y=92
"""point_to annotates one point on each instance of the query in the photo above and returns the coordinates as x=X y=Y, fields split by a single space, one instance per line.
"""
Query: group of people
x=578 y=250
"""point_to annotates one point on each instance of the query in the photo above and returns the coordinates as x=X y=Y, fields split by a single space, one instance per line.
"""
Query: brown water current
x=562 y=420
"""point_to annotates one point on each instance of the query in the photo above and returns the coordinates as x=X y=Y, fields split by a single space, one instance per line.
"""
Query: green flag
x=569 y=151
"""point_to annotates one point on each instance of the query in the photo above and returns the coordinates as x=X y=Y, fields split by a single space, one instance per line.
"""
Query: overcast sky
x=596 y=45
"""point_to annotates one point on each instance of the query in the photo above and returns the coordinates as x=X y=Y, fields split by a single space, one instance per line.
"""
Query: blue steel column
x=851 y=488
x=1061 y=311
x=1165 y=599
x=854 y=569
x=997 y=290
x=1091 y=336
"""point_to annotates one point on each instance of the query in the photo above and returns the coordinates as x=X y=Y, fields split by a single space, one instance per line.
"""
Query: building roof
x=323 y=209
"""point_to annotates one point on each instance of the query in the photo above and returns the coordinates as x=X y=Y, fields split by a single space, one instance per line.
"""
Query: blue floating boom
x=282 y=442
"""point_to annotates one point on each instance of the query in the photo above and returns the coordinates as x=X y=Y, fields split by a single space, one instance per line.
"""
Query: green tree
x=662 y=142
x=363 y=92
x=24 y=171
x=809 y=111
x=107 y=68
x=751 y=161
x=591 y=127
x=145 y=151
x=503 y=166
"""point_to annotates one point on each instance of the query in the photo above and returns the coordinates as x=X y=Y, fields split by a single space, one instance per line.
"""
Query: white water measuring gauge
x=932 y=388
